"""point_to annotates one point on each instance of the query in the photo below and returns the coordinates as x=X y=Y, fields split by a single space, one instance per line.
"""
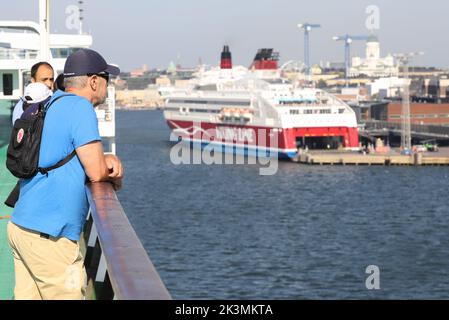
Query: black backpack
x=25 y=142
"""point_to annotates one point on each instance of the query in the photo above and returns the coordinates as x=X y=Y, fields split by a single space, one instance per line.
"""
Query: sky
x=154 y=32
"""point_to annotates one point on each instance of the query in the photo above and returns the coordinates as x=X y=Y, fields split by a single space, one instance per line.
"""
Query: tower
x=372 y=48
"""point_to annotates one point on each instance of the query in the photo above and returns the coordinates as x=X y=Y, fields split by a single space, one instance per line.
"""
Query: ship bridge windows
x=62 y=53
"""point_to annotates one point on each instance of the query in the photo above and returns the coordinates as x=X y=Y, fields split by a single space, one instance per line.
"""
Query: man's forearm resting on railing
x=98 y=166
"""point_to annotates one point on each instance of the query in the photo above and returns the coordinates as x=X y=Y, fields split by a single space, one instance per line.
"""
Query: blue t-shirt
x=57 y=204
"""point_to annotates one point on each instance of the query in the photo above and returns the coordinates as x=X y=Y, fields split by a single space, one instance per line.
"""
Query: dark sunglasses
x=102 y=75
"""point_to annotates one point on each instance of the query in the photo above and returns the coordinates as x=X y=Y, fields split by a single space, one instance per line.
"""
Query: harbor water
x=307 y=232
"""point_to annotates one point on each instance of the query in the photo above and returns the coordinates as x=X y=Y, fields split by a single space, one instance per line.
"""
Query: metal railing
x=431 y=130
x=17 y=54
x=117 y=264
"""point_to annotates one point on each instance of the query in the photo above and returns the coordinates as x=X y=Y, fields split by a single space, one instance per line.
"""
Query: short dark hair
x=37 y=66
x=59 y=82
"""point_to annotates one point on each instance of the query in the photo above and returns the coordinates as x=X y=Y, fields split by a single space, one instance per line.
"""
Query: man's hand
x=114 y=166
x=115 y=170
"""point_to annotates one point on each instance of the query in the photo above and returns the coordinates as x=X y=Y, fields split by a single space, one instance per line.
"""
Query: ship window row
x=227 y=103
x=297 y=102
x=236 y=119
x=187 y=110
x=312 y=111
x=204 y=110
x=171 y=109
x=192 y=110
x=62 y=53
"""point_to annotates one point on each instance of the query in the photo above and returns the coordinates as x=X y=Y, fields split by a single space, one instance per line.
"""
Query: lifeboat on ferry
x=236 y=113
x=226 y=112
x=246 y=114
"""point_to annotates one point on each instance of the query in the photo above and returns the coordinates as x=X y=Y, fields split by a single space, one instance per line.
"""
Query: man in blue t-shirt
x=48 y=218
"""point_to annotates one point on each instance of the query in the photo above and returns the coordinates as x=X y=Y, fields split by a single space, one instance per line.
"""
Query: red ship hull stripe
x=286 y=137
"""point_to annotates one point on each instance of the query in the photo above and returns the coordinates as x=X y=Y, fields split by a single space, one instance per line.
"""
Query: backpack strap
x=59 y=164
x=66 y=159
x=50 y=103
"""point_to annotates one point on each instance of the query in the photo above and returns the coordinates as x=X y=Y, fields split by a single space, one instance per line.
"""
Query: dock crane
x=403 y=60
x=348 y=39
x=307 y=27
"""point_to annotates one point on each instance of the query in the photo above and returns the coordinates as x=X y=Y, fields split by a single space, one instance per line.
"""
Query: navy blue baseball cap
x=87 y=61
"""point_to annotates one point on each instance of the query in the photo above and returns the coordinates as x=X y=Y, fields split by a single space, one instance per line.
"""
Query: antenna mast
x=80 y=4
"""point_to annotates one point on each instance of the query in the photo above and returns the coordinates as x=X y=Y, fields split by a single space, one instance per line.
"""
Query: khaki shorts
x=46 y=268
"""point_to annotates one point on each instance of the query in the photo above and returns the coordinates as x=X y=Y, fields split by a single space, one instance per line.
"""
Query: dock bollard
x=417 y=159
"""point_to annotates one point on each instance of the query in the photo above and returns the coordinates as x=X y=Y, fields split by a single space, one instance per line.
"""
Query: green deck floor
x=7 y=182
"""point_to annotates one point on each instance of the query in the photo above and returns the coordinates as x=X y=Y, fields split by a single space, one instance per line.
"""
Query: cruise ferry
x=256 y=112
x=24 y=43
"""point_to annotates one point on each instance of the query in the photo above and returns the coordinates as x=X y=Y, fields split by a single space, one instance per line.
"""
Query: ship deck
x=7 y=182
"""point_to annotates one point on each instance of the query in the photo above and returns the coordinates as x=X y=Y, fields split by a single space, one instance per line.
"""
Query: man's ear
x=93 y=82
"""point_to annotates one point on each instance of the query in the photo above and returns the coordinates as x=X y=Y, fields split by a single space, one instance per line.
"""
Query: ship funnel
x=265 y=59
x=226 y=59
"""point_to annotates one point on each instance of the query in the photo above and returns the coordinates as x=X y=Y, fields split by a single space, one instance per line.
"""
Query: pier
x=358 y=159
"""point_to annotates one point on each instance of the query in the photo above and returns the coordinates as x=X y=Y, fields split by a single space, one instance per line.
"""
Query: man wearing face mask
x=41 y=72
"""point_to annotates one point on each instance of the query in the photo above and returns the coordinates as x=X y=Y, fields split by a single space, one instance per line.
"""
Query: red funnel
x=226 y=59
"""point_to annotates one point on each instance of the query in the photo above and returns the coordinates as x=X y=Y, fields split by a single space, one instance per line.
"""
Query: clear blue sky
x=131 y=33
